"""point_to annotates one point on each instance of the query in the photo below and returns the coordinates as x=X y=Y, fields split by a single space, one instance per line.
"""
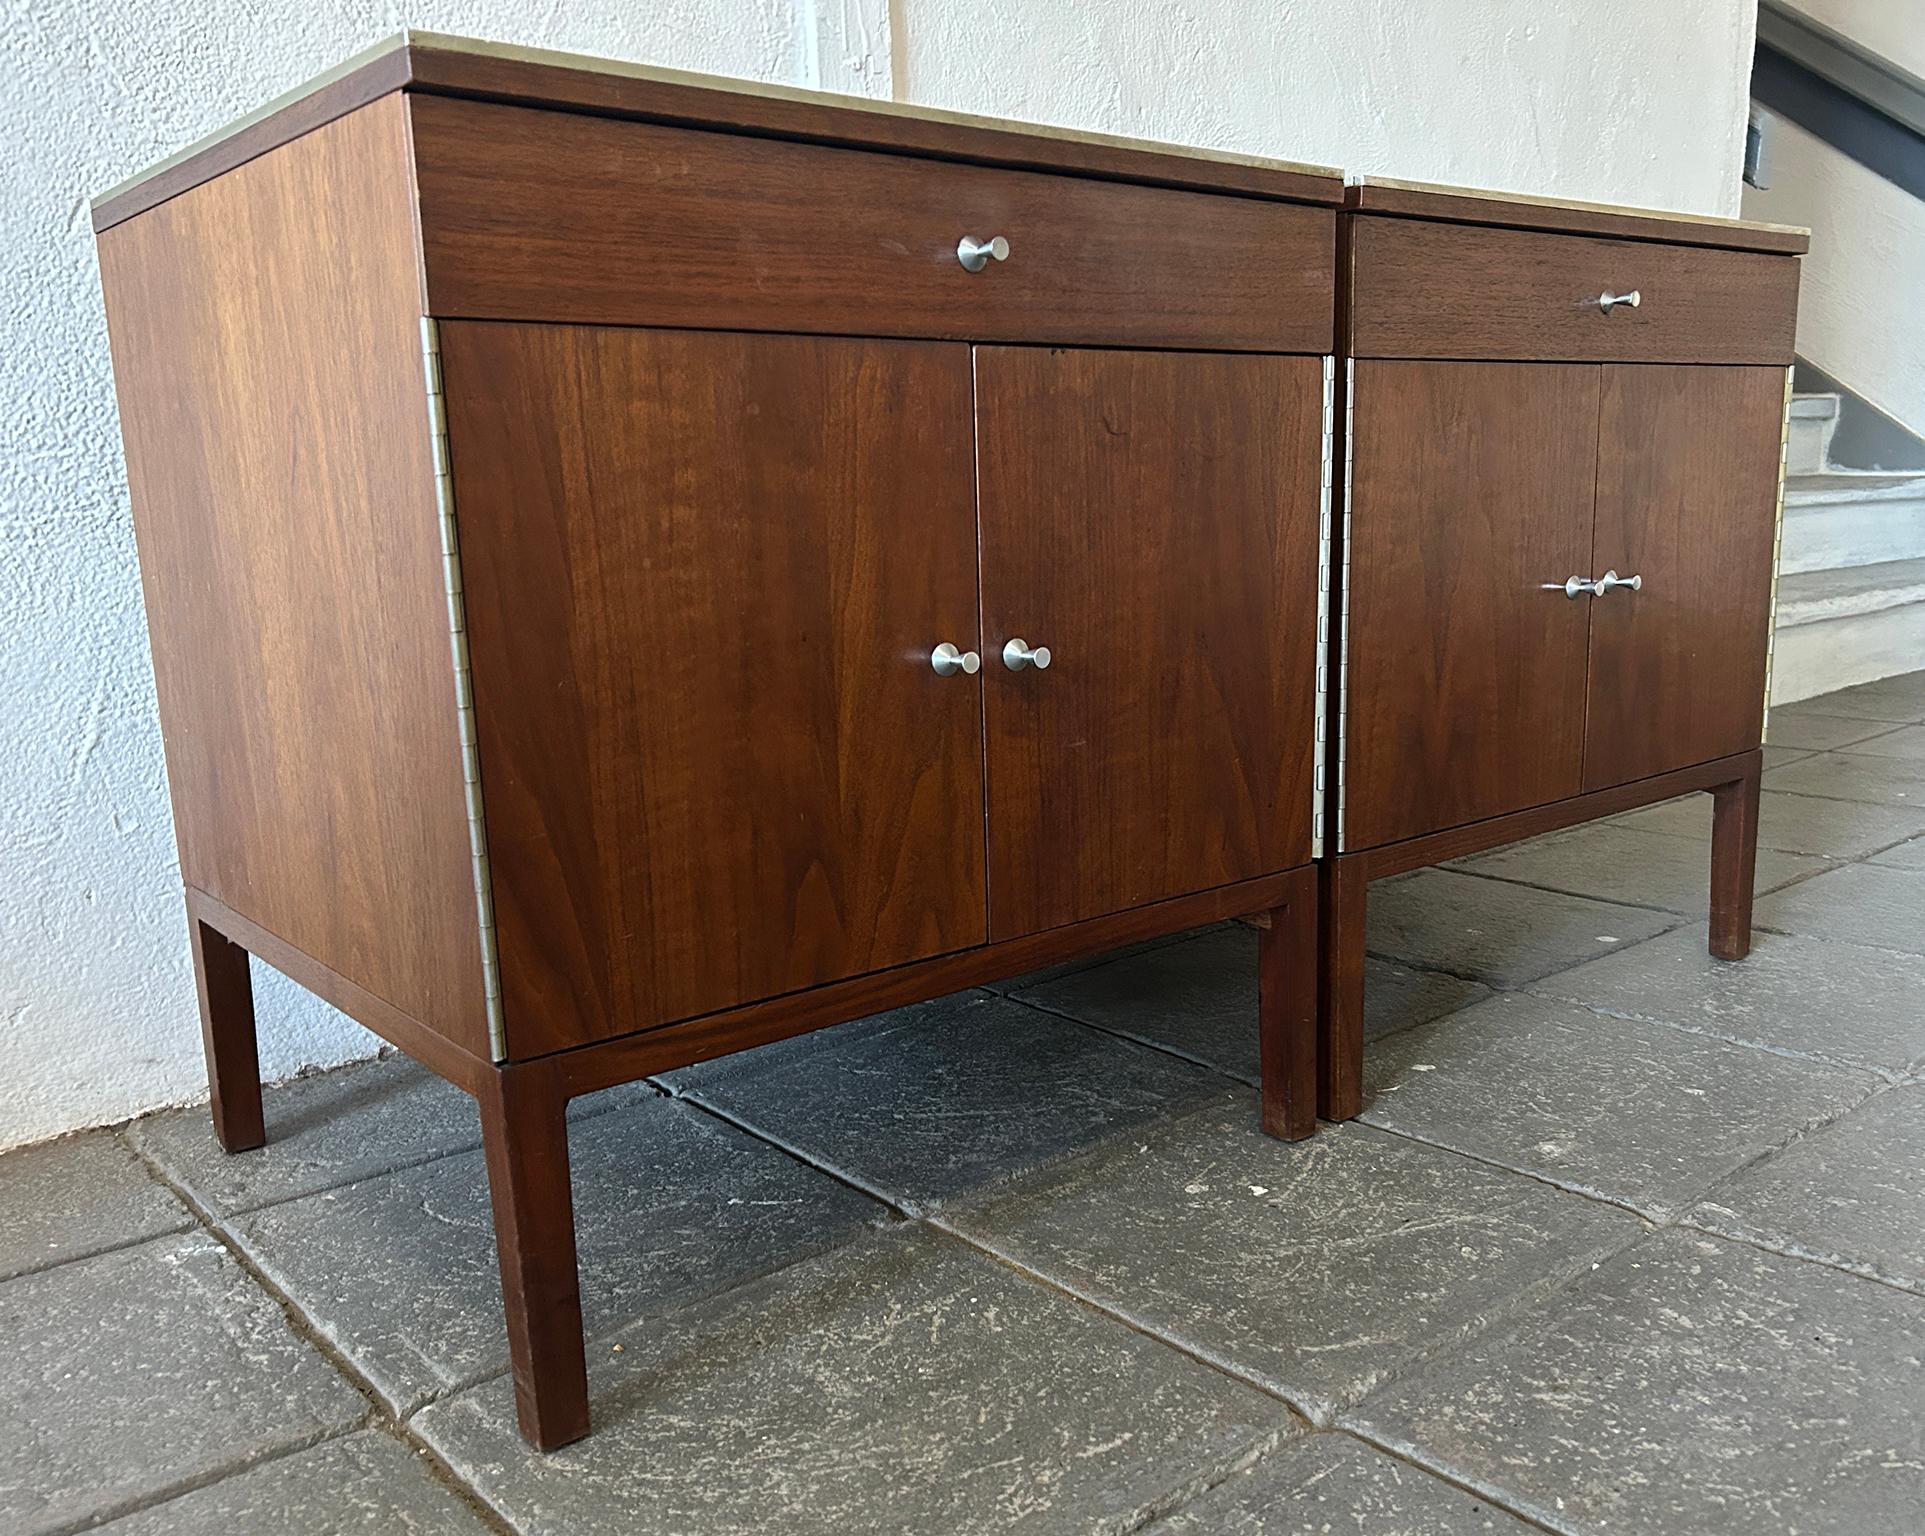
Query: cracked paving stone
x=144 y=1370
x=1829 y=829
x=1614 y=862
x=1688 y=1385
x=1316 y=1269
x=78 y=1196
x=1861 y=904
x=1815 y=997
x=1625 y=1109
x=903 y=1383
x=1493 y=931
x=1331 y=1483
x=1850 y=1195
x=362 y=1485
x=946 y=1099
x=1199 y=998
x=1813 y=732
x=1852 y=776
x=328 y=1129
x=399 y=1272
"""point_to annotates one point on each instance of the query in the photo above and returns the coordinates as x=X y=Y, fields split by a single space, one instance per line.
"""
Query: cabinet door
x=1470 y=504
x=1151 y=519
x=1687 y=501
x=704 y=573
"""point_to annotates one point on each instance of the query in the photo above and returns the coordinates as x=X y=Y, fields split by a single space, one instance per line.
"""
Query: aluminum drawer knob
x=1611 y=579
x=1019 y=654
x=948 y=661
x=1610 y=301
x=976 y=254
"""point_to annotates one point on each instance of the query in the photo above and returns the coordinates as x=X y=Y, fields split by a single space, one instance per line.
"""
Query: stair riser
x=1826 y=535
x=1839 y=653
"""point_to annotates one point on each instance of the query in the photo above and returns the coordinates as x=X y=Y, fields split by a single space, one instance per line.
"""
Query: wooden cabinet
x=1688 y=463
x=1560 y=516
x=1152 y=519
x=638 y=570
x=1463 y=683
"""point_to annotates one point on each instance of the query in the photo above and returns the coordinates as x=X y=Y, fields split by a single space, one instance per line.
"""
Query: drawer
x=556 y=216
x=1429 y=290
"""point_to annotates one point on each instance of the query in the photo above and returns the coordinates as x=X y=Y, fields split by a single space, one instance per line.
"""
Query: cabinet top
x=1471 y=205
x=458 y=66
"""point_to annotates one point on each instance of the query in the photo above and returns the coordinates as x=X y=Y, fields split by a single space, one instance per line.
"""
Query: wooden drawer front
x=536 y=215
x=1425 y=290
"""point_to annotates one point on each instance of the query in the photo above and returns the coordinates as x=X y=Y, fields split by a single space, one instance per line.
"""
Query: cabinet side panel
x=268 y=358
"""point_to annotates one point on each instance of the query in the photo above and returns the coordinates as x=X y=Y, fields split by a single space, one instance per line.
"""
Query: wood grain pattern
x=1287 y=1011
x=1343 y=886
x=717 y=763
x=1469 y=206
x=1687 y=500
x=1471 y=489
x=1734 y=860
x=267 y=355
x=587 y=1069
x=1152 y=519
x=429 y=64
x=1425 y=290
x=226 y=993
x=553 y=216
x=1495 y=831
x=524 y=1138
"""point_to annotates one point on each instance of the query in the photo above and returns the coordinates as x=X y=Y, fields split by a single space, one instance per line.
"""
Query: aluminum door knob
x=1019 y=653
x=948 y=661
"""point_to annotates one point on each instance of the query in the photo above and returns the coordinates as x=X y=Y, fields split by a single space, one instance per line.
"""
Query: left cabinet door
x=704 y=574
x=1150 y=519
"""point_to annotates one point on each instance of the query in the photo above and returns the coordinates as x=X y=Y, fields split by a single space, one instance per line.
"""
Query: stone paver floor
x=1626 y=1240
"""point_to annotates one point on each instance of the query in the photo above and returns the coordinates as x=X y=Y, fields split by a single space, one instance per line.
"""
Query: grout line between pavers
x=1452 y=1479
x=181 y=1487
x=1414 y=1454
x=378 y=1416
x=1855 y=1269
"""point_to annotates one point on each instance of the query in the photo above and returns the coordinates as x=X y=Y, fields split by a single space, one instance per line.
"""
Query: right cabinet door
x=1470 y=507
x=1687 y=482
x=1150 y=518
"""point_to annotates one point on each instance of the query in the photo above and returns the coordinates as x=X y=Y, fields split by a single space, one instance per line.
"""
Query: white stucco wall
x=1581 y=98
x=1860 y=313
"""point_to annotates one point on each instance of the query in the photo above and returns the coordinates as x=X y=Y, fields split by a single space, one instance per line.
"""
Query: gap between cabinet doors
x=717 y=762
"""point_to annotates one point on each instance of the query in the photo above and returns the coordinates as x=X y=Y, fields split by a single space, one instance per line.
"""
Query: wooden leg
x=1287 y=1013
x=1340 y=988
x=1734 y=863
x=227 y=1037
x=524 y=1134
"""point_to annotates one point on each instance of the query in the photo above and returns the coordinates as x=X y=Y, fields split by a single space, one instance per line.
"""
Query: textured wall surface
x=1575 y=97
x=1860 y=317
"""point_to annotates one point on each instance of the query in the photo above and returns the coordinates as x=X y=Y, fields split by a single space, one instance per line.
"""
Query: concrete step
x=1841 y=627
x=1814 y=420
x=1852 y=517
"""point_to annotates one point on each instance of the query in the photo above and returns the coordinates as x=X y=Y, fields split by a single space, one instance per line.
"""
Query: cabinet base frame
x=523 y=1103
x=1343 y=882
